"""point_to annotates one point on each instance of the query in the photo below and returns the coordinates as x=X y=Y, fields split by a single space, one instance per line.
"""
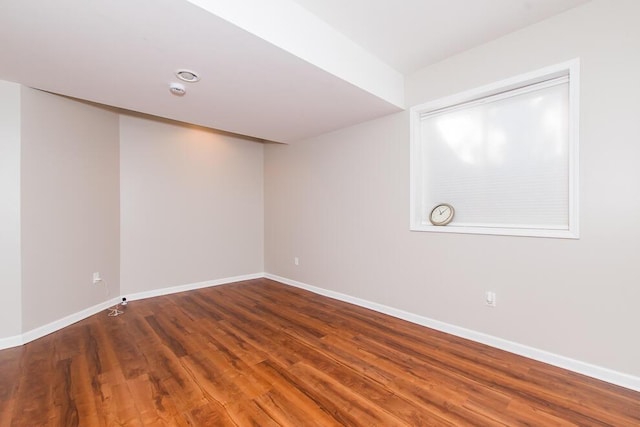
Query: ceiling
x=411 y=34
x=281 y=70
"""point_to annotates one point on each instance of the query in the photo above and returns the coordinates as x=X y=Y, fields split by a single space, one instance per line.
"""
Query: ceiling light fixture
x=187 y=76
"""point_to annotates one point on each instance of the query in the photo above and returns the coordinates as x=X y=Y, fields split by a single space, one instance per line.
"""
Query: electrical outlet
x=490 y=298
x=96 y=278
x=296 y=261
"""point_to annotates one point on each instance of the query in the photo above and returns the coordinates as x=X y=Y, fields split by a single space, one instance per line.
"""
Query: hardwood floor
x=259 y=353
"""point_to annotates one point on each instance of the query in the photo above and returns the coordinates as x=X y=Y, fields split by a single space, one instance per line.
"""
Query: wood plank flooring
x=260 y=353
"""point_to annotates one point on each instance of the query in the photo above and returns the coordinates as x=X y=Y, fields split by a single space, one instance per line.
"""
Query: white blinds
x=501 y=161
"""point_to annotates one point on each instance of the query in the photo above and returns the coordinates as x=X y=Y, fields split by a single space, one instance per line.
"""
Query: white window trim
x=569 y=68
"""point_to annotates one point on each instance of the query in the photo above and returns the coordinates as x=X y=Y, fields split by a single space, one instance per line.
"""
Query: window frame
x=570 y=69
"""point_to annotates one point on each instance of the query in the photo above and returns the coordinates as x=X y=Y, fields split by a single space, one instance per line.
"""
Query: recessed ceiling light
x=187 y=76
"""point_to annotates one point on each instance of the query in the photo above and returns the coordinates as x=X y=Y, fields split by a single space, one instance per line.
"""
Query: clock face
x=442 y=214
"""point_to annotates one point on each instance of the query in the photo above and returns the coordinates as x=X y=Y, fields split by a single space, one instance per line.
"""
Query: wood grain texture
x=260 y=353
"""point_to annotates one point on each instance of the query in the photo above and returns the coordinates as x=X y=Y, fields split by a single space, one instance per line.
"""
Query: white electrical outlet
x=490 y=298
x=96 y=278
x=296 y=261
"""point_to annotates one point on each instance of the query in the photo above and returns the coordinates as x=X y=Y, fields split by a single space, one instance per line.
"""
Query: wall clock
x=442 y=214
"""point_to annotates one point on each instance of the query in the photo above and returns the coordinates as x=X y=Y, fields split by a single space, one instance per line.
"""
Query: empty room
x=319 y=213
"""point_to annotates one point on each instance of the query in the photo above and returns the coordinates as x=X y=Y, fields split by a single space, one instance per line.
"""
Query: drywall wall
x=191 y=203
x=10 y=267
x=70 y=206
x=340 y=202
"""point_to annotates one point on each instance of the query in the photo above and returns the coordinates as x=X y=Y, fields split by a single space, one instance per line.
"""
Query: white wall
x=191 y=205
x=70 y=206
x=10 y=266
x=340 y=203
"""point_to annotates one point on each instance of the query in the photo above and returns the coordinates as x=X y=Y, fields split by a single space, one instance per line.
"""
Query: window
x=505 y=156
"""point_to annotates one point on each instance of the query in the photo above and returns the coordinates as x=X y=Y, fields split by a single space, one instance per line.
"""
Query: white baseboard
x=41 y=331
x=9 y=342
x=56 y=325
x=191 y=287
x=604 y=374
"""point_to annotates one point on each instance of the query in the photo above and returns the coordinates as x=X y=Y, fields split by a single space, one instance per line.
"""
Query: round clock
x=442 y=214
